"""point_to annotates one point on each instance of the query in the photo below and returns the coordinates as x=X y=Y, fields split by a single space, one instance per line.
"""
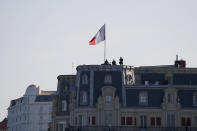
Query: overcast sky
x=39 y=39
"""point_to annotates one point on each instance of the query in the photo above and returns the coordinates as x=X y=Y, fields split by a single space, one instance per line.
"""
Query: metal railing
x=123 y=128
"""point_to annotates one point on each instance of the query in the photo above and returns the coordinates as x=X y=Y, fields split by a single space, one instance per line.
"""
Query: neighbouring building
x=63 y=102
x=32 y=112
x=3 y=125
x=121 y=97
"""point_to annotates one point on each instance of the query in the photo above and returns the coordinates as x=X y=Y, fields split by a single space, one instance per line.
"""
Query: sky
x=41 y=39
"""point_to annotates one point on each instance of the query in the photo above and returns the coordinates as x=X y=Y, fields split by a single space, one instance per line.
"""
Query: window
x=122 y=120
x=108 y=118
x=143 y=121
x=84 y=79
x=83 y=99
x=108 y=98
x=129 y=120
x=185 y=121
x=108 y=79
x=143 y=98
x=61 y=127
x=152 y=119
x=93 y=120
x=195 y=99
x=64 y=105
x=41 y=109
x=188 y=121
x=170 y=98
x=155 y=121
x=82 y=120
x=158 y=121
x=171 y=120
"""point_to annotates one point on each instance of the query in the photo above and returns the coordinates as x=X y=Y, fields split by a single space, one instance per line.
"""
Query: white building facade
x=32 y=112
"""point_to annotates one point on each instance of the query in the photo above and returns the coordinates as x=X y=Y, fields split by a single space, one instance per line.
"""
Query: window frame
x=143 y=98
x=129 y=120
x=108 y=79
x=195 y=99
x=84 y=79
x=83 y=98
x=64 y=105
x=93 y=120
x=123 y=122
x=108 y=98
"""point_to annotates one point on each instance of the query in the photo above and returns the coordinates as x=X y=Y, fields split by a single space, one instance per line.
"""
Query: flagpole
x=105 y=45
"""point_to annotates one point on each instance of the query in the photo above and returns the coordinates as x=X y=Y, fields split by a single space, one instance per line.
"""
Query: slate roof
x=43 y=98
x=13 y=102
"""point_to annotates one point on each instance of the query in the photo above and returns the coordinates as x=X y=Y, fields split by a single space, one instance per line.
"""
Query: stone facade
x=128 y=97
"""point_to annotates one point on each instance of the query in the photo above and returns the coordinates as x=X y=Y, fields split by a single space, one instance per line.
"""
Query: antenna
x=177 y=57
x=72 y=67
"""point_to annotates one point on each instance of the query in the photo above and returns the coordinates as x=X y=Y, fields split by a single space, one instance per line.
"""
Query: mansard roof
x=43 y=98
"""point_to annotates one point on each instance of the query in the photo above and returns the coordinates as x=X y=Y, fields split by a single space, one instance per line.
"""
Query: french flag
x=99 y=37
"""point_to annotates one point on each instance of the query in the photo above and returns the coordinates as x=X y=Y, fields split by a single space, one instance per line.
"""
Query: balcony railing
x=119 y=128
x=63 y=113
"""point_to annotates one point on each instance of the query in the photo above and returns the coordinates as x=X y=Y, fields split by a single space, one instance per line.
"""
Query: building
x=63 y=102
x=32 y=112
x=126 y=97
x=3 y=125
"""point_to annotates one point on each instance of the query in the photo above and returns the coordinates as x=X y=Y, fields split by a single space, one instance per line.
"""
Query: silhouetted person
x=113 y=62
x=121 y=61
x=106 y=62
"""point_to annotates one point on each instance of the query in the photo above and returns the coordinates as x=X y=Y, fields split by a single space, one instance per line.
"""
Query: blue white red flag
x=99 y=37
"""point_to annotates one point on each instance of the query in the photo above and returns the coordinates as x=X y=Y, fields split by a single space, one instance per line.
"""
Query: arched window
x=107 y=79
x=84 y=79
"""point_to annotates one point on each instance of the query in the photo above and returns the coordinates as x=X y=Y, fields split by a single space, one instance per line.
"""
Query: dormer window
x=108 y=98
x=143 y=98
x=84 y=98
x=64 y=105
x=84 y=79
x=195 y=99
x=108 y=79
